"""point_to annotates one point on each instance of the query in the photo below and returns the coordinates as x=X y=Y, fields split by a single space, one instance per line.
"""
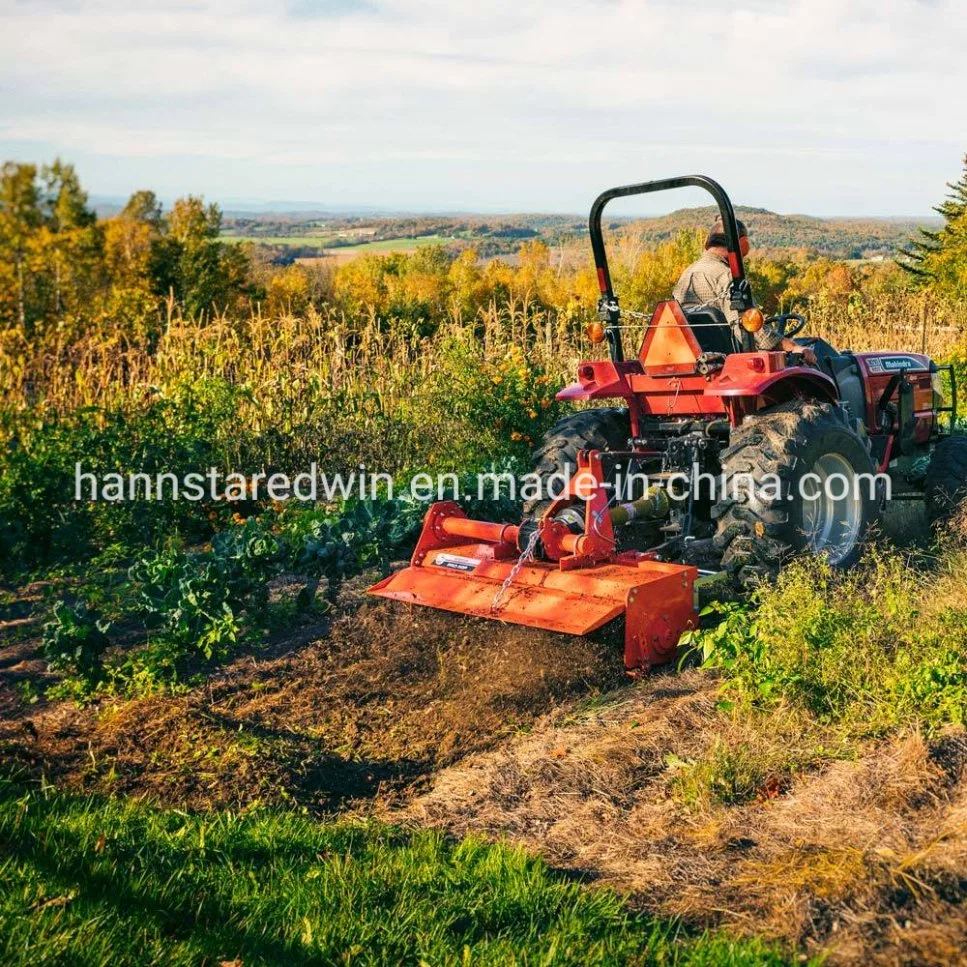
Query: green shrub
x=491 y=409
x=347 y=538
x=878 y=647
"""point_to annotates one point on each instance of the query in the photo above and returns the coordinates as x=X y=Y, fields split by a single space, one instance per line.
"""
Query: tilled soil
x=371 y=705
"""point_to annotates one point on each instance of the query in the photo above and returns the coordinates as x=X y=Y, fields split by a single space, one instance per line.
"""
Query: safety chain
x=526 y=555
x=614 y=307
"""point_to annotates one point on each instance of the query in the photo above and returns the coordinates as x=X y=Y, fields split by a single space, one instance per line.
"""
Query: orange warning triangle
x=669 y=346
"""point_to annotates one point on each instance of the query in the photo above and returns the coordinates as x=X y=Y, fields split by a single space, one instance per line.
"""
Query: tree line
x=61 y=265
x=62 y=268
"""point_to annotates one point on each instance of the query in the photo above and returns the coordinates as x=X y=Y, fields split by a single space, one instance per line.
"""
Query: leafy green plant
x=196 y=600
x=188 y=602
x=356 y=535
x=729 y=642
x=74 y=641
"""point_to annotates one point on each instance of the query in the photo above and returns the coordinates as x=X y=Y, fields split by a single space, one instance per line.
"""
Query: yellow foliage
x=288 y=291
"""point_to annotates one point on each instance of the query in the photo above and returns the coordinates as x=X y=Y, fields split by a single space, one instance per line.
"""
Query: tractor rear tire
x=763 y=518
x=600 y=428
x=946 y=489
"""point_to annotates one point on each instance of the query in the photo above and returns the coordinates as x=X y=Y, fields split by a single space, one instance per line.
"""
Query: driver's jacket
x=707 y=283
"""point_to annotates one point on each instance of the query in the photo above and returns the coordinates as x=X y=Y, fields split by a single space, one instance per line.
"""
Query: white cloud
x=337 y=94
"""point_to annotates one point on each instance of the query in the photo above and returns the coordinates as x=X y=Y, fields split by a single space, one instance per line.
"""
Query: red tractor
x=719 y=461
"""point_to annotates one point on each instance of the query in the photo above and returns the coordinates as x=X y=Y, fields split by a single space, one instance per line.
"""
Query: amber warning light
x=752 y=320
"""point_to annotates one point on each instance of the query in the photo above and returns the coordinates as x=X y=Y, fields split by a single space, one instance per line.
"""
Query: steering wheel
x=781 y=324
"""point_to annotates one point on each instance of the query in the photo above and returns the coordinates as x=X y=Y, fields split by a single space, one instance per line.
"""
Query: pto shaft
x=480 y=530
x=653 y=506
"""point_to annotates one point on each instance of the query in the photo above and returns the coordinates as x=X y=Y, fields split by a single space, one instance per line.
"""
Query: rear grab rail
x=609 y=312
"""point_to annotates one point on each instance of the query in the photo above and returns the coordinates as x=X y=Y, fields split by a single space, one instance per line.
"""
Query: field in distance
x=310 y=235
x=384 y=246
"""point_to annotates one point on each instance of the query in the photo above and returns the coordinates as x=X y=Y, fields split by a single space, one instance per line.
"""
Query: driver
x=707 y=283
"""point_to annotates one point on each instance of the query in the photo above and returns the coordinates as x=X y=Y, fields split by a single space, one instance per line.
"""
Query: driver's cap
x=716 y=236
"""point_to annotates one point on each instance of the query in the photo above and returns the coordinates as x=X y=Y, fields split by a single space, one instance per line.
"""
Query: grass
x=394 y=244
x=296 y=240
x=758 y=759
x=87 y=881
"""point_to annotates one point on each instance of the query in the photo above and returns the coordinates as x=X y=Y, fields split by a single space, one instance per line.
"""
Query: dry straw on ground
x=862 y=858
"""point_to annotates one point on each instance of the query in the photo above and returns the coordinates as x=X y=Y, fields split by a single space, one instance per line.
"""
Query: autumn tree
x=20 y=218
x=939 y=258
x=203 y=273
x=69 y=245
x=59 y=264
x=133 y=260
x=143 y=208
x=50 y=246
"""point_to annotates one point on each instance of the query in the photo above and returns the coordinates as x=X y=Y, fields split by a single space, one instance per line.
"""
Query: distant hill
x=303 y=234
x=842 y=238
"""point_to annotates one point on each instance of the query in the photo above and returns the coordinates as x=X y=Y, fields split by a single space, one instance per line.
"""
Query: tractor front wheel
x=796 y=478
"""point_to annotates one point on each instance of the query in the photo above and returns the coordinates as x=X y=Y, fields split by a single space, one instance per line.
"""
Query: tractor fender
x=794 y=382
x=578 y=391
x=601 y=380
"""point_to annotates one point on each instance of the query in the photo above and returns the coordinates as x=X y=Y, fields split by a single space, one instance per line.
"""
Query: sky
x=827 y=107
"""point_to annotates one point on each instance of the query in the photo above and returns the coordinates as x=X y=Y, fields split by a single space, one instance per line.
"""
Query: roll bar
x=609 y=312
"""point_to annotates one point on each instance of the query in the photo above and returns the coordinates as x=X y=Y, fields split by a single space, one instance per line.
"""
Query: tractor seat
x=845 y=372
x=712 y=330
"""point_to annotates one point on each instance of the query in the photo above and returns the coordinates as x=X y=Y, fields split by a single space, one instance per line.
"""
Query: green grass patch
x=394 y=244
x=728 y=774
x=756 y=757
x=294 y=240
x=86 y=881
